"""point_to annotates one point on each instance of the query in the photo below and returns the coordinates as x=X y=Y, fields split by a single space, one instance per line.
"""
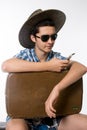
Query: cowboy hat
x=57 y=16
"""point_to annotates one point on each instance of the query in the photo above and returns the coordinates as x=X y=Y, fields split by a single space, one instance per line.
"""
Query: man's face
x=45 y=46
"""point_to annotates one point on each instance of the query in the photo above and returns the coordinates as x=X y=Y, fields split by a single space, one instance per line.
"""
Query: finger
x=50 y=112
x=52 y=109
x=65 y=61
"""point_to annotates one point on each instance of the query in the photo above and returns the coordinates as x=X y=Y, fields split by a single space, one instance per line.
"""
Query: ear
x=33 y=38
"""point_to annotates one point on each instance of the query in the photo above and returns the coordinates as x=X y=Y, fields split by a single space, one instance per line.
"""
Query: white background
x=72 y=37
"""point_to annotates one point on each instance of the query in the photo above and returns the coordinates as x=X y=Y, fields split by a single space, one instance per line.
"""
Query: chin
x=47 y=51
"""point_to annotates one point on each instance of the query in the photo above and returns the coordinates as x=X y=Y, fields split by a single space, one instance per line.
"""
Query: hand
x=49 y=104
x=58 y=65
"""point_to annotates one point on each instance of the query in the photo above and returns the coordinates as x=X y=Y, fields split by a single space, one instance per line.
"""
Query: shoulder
x=24 y=54
x=58 y=55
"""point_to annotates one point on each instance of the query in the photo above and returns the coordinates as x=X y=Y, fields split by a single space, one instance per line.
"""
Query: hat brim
x=57 y=16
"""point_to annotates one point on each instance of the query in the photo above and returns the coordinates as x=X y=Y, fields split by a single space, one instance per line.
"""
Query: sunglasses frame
x=45 y=38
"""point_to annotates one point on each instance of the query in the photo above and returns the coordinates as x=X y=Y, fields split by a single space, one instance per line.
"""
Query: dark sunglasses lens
x=44 y=38
x=54 y=36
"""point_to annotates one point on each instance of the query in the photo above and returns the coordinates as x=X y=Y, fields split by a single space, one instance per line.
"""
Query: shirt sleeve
x=59 y=56
x=24 y=55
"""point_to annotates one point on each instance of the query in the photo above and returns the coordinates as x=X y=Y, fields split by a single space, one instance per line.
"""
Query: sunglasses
x=45 y=38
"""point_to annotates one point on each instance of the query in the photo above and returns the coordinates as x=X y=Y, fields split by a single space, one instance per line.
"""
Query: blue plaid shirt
x=30 y=55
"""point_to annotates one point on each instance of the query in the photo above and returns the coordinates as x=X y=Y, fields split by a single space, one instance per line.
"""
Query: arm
x=19 y=65
x=76 y=71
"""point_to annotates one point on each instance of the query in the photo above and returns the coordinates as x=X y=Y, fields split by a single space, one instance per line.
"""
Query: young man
x=38 y=35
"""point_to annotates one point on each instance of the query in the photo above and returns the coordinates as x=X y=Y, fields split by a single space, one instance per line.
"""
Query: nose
x=50 y=41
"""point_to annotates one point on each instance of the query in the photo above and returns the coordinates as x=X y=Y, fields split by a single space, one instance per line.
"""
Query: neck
x=42 y=56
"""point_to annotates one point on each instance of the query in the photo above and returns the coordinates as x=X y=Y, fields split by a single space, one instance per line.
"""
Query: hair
x=46 y=22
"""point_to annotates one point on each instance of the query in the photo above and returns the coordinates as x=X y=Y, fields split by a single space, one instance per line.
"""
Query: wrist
x=48 y=66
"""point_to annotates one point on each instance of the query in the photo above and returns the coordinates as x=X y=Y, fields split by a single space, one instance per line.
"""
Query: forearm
x=75 y=72
x=18 y=65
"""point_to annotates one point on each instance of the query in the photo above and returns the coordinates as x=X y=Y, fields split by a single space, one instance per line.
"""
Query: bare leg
x=16 y=124
x=74 y=122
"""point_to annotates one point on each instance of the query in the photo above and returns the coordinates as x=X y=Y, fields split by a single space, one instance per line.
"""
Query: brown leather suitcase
x=26 y=94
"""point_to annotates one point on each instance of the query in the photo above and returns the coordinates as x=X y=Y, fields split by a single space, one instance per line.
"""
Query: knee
x=16 y=124
x=83 y=127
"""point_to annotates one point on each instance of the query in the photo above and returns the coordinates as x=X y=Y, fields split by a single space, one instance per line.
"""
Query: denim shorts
x=42 y=123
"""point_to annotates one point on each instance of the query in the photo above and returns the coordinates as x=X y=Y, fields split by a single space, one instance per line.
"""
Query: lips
x=49 y=47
